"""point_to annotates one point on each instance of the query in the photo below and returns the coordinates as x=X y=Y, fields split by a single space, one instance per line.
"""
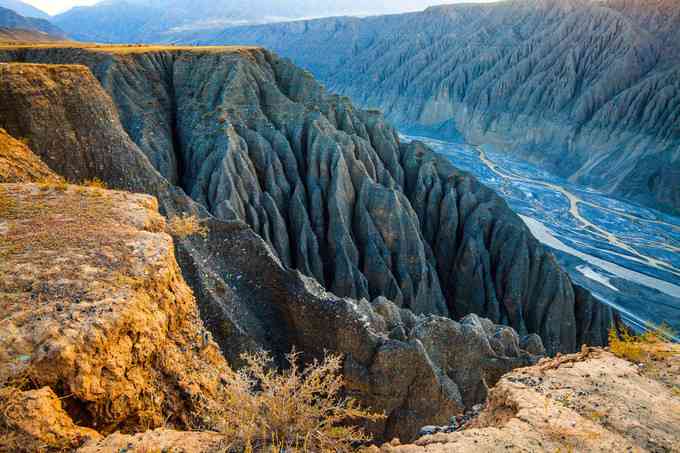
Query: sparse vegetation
x=299 y=409
x=95 y=183
x=640 y=348
x=183 y=226
x=53 y=183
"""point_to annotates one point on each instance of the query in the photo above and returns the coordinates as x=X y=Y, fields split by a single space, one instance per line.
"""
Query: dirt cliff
x=99 y=332
x=19 y=164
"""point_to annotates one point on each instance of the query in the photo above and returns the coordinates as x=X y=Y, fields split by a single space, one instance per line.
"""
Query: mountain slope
x=24 y=9
x=150 y=21
x=11 y=20
x=589 y=90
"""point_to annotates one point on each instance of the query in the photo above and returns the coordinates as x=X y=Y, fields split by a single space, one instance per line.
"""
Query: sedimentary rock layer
x=589 y=90
x=326 y=189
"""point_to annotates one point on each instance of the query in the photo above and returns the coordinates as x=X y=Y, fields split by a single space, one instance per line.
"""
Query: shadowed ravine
x=284 y=177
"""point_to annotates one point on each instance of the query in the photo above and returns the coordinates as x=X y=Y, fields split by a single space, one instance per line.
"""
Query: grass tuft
x=95 y=183
x=185 y=225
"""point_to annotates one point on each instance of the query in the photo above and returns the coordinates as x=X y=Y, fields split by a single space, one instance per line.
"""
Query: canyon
x=586 y=90
x=325 y=231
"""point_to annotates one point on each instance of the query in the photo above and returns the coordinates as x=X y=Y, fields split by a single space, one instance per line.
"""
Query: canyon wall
x=588 y=90
x=288 y=178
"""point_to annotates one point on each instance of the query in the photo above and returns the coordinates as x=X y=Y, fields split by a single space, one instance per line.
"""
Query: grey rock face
x=589 y=90
x=334 y=193
x=395 y=361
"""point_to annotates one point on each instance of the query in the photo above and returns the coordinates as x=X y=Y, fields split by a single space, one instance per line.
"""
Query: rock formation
x=96 y=318
x=19 y=164
x=589 y=90
x=325 y=189
x=331 y=188
x=582 y=402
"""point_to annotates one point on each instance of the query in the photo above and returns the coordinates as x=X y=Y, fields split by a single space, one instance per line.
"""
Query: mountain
x=24 y=9
x=14 y=24
x=587 y=89
x=149 y=21
x=19 y=35
x=325 y=232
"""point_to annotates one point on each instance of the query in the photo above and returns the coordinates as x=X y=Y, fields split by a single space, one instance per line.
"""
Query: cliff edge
x=99 y=332
x=590 y=401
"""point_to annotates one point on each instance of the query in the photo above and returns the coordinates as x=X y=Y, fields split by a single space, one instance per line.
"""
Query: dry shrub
x=55 y=183
x=185 y=225
x=95 y=183
x=640 y=348
x=296 y=409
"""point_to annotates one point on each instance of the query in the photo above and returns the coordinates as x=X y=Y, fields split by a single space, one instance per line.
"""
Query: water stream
x=627 y=255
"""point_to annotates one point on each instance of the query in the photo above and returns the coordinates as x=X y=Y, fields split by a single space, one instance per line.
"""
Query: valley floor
x=626 y=255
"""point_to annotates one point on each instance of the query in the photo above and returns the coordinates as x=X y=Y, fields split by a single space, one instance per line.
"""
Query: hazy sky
x=57 y=6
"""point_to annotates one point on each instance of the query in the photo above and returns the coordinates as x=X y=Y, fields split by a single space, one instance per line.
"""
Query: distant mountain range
x=16 y=26
x=153 y=20
x=590 y=90
x=24 y=9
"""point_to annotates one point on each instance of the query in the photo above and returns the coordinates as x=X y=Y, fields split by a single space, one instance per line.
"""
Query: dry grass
x=641 y=348
x=50 y=183
x=126 y=48
x=183 y=226
x=293 y=410
x=95 y=183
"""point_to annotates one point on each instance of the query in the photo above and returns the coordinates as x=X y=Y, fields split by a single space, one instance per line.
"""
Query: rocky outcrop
x=159 y=440
x=19 y=164
x=94 y=308
x=580 y=402
x=35 y=420
x=255 y=139
x=589 y=90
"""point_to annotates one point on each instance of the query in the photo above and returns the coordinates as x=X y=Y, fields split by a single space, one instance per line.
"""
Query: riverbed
x=628 y=256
